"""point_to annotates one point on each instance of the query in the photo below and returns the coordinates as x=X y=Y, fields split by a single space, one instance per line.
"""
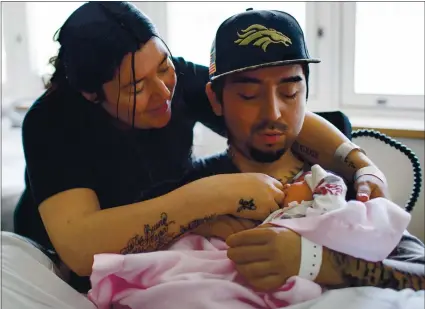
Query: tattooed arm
x=404 y=268
x=318 y=141
x=79 y=229
x=161 y=235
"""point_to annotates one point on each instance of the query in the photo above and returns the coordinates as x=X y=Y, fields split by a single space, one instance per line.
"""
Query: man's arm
x=318 y=141
x=404 y=268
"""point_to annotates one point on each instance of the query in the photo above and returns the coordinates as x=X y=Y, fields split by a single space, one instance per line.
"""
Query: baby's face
x=297 y=191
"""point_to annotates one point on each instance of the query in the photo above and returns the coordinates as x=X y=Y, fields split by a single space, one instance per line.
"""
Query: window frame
x=348 y=97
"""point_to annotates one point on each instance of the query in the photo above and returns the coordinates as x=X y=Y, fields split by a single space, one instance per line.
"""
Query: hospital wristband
x=311 y=259
x=372 y=171
x=344 y=150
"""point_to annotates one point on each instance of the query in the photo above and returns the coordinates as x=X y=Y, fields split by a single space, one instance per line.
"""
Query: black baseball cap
x=256 y=39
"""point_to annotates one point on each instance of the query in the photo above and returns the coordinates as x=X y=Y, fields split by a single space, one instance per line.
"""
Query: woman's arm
x=62 y=183
x=79 y=229
x=318 y=141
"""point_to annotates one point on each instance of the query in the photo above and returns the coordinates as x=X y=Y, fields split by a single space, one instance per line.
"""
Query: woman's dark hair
x=94 y=40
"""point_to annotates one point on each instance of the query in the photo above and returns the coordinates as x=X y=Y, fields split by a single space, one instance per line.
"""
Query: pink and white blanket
x=195 y=272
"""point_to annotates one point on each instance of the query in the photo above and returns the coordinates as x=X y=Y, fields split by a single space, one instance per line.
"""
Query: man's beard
x=260 y=156
x=265 y=156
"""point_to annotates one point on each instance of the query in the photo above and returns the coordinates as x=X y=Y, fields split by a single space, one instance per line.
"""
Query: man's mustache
x=267 y=125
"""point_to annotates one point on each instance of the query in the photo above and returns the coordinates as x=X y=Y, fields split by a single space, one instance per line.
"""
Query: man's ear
x=92 y=97
x=215 y=103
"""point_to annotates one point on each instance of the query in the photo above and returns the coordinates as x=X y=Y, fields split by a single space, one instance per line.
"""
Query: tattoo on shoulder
x=308 y=151
x=246 y=205
x=357 y=272
x=154 y=237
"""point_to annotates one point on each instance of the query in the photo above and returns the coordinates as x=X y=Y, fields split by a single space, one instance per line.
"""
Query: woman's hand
x=369 y=187
x=248 y=195
x=224 y=226
x=266 y=257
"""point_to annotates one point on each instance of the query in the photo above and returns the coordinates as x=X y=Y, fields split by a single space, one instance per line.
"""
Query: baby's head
x=297 y=192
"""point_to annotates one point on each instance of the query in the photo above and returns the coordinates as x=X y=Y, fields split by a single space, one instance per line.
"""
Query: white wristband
x=370 y=170
x=311 y=259
x=344 y=150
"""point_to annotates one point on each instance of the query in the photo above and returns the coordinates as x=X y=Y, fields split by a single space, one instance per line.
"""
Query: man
x=259 y=85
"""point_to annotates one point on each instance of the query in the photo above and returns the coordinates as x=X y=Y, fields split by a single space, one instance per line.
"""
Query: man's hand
x=224 y=226
x=369 y=187
x=266 y=257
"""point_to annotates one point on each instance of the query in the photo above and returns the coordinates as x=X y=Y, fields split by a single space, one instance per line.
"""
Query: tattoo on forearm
x=309 y=152
x=158 y=236
x=154 y=237
x=196 y=223
x=349 y=163
x=246 y=205
x=357 y=272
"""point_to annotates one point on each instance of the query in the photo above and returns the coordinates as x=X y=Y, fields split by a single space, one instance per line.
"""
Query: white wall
x=394 y=164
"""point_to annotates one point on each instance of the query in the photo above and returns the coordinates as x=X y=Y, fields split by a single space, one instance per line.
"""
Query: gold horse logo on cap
x=262 y=36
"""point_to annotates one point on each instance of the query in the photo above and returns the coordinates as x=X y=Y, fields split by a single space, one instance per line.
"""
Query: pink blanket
x=195 y=273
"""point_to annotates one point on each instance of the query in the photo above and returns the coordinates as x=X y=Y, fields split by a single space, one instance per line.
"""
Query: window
x=43 y=20
x=383 y=54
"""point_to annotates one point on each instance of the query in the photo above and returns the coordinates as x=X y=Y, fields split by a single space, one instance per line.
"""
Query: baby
x=312 y=193
x=195 y=272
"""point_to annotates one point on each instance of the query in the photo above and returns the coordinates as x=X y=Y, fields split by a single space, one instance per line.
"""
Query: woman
x=117 y=119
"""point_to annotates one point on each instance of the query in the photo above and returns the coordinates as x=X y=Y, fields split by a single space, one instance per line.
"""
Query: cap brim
x=269 y=64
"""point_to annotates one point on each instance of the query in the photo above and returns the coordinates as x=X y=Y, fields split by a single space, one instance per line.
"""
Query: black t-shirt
x=70 y=142
x=205 y=167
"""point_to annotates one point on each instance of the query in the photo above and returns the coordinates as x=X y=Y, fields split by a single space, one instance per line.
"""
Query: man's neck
x=283 y=169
